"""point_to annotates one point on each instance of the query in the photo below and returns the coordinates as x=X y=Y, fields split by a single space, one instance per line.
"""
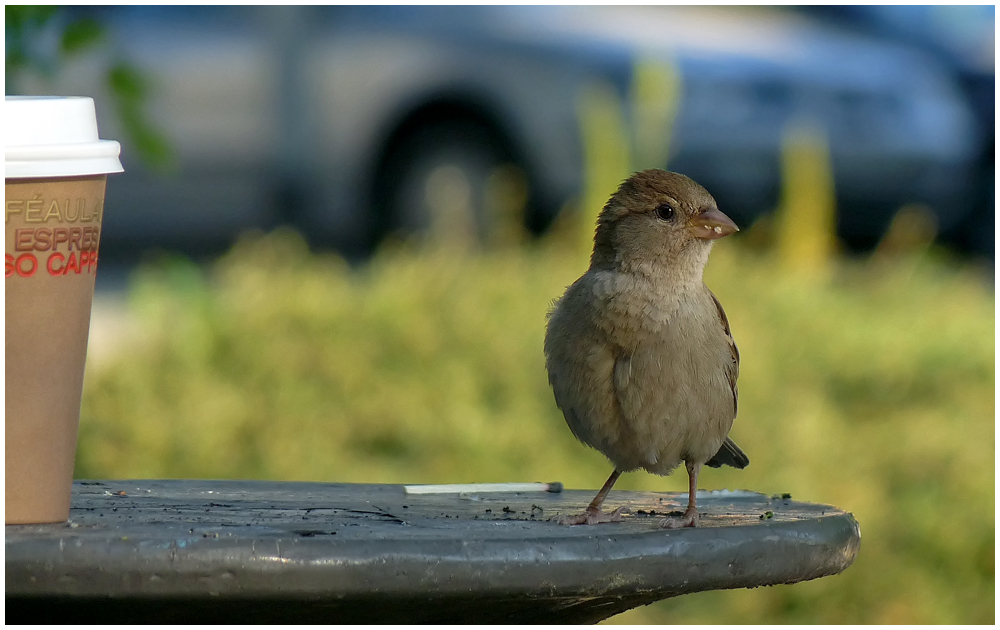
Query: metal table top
x=254 y=551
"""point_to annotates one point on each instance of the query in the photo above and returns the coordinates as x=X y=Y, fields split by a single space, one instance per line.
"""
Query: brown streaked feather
x=733 y=369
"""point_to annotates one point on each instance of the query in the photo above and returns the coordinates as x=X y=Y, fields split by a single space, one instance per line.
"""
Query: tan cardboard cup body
x=53 y=228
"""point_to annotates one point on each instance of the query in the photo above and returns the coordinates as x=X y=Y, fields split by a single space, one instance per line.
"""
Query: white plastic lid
x=55 y=136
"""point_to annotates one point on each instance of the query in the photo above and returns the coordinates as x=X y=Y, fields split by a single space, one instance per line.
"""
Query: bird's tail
x=730 y=455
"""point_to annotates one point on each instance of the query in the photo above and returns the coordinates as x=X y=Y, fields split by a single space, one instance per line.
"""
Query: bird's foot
x=591 y=517
x=688 y=519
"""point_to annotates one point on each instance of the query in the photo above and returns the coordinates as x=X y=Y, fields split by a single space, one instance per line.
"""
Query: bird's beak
x=712 y=224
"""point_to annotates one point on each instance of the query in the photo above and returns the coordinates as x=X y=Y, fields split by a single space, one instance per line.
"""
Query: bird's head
x=658 y=221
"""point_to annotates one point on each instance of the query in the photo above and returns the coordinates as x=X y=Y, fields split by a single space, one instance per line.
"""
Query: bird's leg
x=593 y=514
x=690 y=517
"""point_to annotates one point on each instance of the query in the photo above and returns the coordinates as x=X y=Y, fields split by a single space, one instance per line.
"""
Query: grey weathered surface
x=245 y=551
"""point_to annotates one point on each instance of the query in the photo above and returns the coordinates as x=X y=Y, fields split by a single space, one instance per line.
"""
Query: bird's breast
x=673 y=394
x=645 y=305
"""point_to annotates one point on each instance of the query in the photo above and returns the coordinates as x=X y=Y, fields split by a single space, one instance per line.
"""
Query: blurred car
x=963 y=38
x=336 y=119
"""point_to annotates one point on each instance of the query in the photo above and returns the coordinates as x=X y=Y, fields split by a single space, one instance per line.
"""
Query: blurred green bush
x=872 y=390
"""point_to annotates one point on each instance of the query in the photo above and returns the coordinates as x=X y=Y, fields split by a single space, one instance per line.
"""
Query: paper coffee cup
x=55 y=170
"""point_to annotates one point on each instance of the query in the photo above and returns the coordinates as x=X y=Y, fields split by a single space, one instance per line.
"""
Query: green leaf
x=130 y=91
x=80 y=34
x=17 y=17
x=126 y=83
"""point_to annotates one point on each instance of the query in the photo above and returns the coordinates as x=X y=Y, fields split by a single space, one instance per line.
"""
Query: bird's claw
x=688 y=519
x=592 y=517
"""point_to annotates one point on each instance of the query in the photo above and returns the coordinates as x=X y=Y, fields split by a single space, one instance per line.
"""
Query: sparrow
x=638 y=350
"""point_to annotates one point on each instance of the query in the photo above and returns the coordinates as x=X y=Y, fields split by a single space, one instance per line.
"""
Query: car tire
x=451 y=182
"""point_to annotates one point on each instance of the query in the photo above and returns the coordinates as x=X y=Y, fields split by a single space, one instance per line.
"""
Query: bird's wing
x=584 y=392
x=580 y=362
x=729 y=453
x=732 y=368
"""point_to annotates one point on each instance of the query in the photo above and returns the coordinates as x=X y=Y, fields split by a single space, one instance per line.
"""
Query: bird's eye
x=664 y=212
